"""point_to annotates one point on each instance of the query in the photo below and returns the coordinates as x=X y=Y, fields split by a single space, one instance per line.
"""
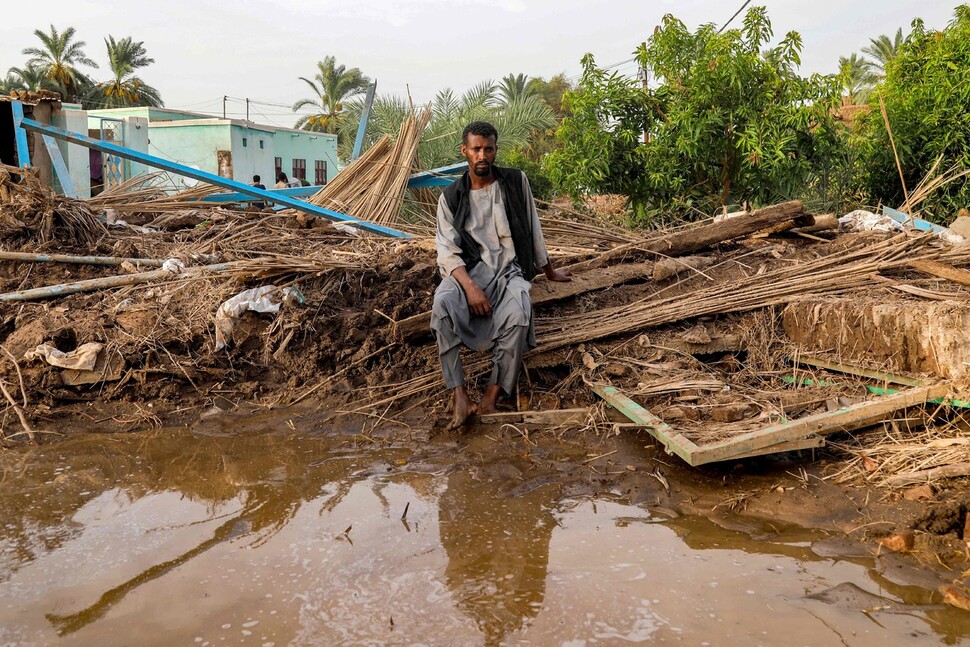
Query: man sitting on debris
x=490 y=245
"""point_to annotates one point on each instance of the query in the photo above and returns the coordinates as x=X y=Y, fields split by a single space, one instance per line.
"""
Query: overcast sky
x=204 y=49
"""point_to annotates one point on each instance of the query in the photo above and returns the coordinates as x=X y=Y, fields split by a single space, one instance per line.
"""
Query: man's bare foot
x=490 y=399
x=464 y=409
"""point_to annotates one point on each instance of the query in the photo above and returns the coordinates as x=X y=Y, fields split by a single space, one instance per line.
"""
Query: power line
x=724 y=26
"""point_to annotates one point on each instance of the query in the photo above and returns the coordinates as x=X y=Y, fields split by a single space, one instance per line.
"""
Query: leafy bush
x=727 y=123
x=542 y=185
x=927 y=96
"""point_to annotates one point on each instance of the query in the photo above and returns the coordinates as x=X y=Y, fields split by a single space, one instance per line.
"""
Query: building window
x=279 y=167
x=261 y=144
x=245 y=142
x=299 y=169
x=320 y=172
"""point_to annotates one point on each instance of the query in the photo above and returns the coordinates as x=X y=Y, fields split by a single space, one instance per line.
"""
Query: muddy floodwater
x=295 y=537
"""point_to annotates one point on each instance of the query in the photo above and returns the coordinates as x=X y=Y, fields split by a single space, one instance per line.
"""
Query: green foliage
x=542 y=185
x=59 y=57
x=125 y=89
x=927 y=93
x=331 y=86
x=857 y=77
x=882 y=50
x=725 y=125
x=515 y=120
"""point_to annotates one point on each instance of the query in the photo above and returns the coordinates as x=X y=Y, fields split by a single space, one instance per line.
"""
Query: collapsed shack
x=755 y=334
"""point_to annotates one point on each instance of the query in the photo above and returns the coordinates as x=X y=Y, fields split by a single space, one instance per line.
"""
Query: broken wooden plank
x=849 y=369
x=942 y=271
x=549 y=417
x=812 y=442
x=544 y=292
x=673 y=440
x=856 y=416
x=929 y=475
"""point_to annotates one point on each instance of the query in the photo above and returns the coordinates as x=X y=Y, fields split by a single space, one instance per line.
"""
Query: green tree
x=857 y=77
x=125 y=89
x=29 y=77
x=332 y=85
x=882 y=50
x=926 y=93
x=440 y=143
x=59 y=58
x=551 y=91
x=514 y=86
x=723 y=126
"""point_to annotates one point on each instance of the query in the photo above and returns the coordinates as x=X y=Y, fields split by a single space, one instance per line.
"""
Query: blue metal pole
x=442 y=176
x=232 y=185
x=364 y=118
x=60 y=168
x=23 y=153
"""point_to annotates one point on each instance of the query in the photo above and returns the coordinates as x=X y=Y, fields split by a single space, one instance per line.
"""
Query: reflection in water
x=498 y=550
x=302 y=539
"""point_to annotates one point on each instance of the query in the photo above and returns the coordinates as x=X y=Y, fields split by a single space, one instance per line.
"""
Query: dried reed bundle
x=29 y=209
x=373 y=187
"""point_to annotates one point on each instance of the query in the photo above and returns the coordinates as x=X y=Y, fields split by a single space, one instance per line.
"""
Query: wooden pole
x=109 y=282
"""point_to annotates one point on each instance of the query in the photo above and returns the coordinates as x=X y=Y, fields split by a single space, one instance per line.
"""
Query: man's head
x=479 y=143
x=255 y=179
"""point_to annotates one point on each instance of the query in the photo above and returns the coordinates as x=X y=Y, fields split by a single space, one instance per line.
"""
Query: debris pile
x=689 y=334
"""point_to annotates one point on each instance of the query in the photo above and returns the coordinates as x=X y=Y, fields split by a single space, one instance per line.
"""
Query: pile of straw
x=30 y=210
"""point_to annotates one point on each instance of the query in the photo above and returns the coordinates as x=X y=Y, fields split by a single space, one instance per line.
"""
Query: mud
x=275 y=529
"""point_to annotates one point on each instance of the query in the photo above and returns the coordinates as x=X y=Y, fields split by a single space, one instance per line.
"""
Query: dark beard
x=482 y=172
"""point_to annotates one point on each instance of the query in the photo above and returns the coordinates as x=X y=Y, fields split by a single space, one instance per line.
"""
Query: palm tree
x=332 y=86
x=514 y=86
x=882 y=51
x=29 y=77
x=857 y=77
x=125 y=89
x=59 y=58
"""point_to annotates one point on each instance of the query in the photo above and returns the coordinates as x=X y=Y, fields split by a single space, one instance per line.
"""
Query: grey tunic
x=509 y=331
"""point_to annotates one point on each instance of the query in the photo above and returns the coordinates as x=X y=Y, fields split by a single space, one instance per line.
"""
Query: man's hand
x=478 y=303
x=560 y=276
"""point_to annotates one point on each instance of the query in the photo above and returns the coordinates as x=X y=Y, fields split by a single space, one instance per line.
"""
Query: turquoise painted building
x=231 y=148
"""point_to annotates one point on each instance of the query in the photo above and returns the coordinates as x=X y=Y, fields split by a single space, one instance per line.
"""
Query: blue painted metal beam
x=235 y=196
x=364 y=118
x=60 y=168
x=20 y=135
x=441 y=176
x=215 y=180
x=912 y=221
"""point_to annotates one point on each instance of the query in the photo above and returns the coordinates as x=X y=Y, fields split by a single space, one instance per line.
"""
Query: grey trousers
x=508 y=333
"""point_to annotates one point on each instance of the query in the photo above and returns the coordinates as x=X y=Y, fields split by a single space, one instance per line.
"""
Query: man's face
x=480 y=153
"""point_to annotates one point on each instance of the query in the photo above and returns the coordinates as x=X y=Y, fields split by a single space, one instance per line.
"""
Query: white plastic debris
x=347 y=229
x=82 y=358
x=267 y=298
x=862 y=220
x=173 y=265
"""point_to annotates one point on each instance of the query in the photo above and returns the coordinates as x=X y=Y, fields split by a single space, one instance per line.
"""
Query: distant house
x=231 y=148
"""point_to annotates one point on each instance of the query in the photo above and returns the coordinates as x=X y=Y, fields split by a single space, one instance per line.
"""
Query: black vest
x=516 y=209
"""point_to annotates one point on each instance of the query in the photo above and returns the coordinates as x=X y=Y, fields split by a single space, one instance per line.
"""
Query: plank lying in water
x=787 y=436
x=544 y=291
x=551 y=417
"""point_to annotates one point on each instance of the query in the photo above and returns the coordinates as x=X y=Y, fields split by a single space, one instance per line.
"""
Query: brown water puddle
x=282 y=538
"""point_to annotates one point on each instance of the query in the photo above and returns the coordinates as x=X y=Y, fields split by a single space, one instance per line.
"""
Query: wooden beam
x=673 y=440
x=856 y=416
x=943 y=271
x=812 y=442
x=544 y=292
x=694 y=239
x=549 y=417
x=849 y=369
